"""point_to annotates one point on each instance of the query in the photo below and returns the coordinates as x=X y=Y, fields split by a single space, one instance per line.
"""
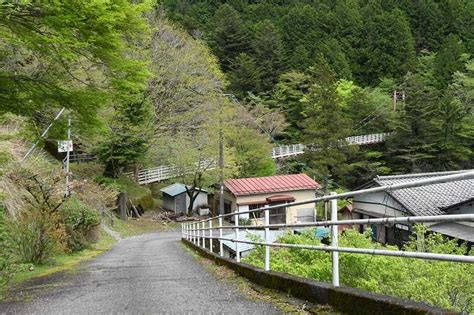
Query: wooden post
x=122 y=206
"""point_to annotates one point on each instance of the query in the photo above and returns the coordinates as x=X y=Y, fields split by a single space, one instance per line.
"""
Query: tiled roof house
x=437 y=199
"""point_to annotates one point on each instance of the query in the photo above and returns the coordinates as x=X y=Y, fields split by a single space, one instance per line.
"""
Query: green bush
x=35 y=236
x=6 y=251
x=445 y=284
x=81 y=224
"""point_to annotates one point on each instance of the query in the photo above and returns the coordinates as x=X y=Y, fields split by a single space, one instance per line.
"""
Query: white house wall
x=378 y=205
x=291 y=212
x=201 y=199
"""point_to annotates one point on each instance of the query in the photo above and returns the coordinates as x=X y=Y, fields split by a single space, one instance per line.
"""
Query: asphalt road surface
x=147 y=274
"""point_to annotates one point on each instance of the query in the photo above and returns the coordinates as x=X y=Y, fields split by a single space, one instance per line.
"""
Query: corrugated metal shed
x=176 y=189
x=269 y=184
x=429 y=199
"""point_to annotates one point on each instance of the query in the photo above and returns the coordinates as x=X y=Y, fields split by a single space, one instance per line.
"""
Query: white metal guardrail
x=196 y=231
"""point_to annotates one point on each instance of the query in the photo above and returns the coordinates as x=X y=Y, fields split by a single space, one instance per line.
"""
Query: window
x=227 y=206
x=257 y=214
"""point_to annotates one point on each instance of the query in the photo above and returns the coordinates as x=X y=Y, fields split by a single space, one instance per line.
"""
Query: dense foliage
x=362 y=40
x=446 y=284
x=69 y=54
x=331 y=67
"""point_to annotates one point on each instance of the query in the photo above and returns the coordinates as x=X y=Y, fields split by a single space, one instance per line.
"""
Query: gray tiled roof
x=429 y=199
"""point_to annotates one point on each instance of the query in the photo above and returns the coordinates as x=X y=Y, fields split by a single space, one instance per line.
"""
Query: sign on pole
x=65 y=146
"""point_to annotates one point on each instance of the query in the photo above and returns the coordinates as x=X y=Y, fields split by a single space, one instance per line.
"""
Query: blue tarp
x=321 y=232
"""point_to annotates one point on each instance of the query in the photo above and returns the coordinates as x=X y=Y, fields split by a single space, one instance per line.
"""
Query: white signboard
x=65 y=145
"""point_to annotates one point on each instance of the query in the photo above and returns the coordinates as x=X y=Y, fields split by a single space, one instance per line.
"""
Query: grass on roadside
x=66 y=262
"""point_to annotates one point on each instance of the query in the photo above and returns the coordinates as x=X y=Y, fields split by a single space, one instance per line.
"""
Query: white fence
x=196 y=231
x=160 y=173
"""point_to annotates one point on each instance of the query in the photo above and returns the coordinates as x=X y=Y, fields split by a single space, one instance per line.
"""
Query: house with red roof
x=245 y=194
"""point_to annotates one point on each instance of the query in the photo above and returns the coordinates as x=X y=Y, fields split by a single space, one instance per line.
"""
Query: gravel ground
x=146 y=274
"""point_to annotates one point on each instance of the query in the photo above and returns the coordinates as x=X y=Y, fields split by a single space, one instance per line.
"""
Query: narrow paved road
x=147 y=274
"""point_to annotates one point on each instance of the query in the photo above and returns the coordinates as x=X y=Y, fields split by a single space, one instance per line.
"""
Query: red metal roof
x=269 y=184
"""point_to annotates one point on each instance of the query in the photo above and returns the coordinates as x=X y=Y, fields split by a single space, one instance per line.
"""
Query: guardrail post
x=221 y=247
x=334 y=243
x=210 y=235
x=195 y=233
x=267 y=239
x=237 y=254
x=203 y=226
x=198 y=232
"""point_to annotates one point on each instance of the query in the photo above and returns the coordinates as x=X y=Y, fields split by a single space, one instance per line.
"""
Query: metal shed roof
x=428 y=199
x=176 y=189
x=456 y=230
x=270 y=184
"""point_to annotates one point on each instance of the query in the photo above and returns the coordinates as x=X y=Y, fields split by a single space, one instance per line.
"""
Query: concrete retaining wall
x=347 y=300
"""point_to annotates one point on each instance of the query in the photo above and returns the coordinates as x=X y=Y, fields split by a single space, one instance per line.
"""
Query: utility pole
x=67 y=192
x=221 y=169
x=397 y=95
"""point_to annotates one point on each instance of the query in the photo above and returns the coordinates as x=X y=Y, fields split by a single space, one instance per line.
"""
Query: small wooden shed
x=175 y=198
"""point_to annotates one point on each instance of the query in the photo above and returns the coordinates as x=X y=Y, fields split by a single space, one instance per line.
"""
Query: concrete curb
x=343 y=299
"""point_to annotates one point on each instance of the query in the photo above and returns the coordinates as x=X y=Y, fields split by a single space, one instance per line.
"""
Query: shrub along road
x=143 y=274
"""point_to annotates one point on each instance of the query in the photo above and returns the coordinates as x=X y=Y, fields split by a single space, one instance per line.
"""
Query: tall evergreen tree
x=244 y=76
x=455 y=140
x=448 y=60
x=269 y=52
x=388 y=47
x=324 y=124
x=412 y=145
x=288 y=97
x=227 y=35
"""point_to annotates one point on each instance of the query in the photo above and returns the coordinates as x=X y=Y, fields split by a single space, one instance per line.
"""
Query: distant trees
x=434 y=129
x=387 y=49
x=272 y=51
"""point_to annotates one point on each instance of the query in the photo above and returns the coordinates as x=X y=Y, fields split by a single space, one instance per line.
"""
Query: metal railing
x=160 y=173
x=163 y=172
x=196 y=231
x=296 y=149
